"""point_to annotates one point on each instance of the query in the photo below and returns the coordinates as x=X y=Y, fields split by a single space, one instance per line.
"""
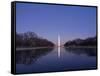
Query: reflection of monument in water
x=31 y=56
x=58 y=46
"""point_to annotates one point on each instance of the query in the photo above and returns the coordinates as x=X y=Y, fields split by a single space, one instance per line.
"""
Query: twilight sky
x=47 y=21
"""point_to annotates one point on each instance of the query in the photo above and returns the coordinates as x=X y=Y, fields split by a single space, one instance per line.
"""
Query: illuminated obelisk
x=58 y=46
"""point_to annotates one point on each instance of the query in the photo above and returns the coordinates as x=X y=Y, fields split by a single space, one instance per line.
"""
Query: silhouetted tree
x=30 y=39
x=91 y=41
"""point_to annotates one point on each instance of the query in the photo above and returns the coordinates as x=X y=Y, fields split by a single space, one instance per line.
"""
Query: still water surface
x=51 y=59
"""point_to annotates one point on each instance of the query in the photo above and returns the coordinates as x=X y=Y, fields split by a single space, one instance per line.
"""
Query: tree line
x=30 y=39
x=91 y=41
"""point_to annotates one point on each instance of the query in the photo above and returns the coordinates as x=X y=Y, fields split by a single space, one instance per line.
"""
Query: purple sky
x=48 y=21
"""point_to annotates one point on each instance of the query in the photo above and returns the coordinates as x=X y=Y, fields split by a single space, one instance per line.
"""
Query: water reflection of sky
x=48 y=60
